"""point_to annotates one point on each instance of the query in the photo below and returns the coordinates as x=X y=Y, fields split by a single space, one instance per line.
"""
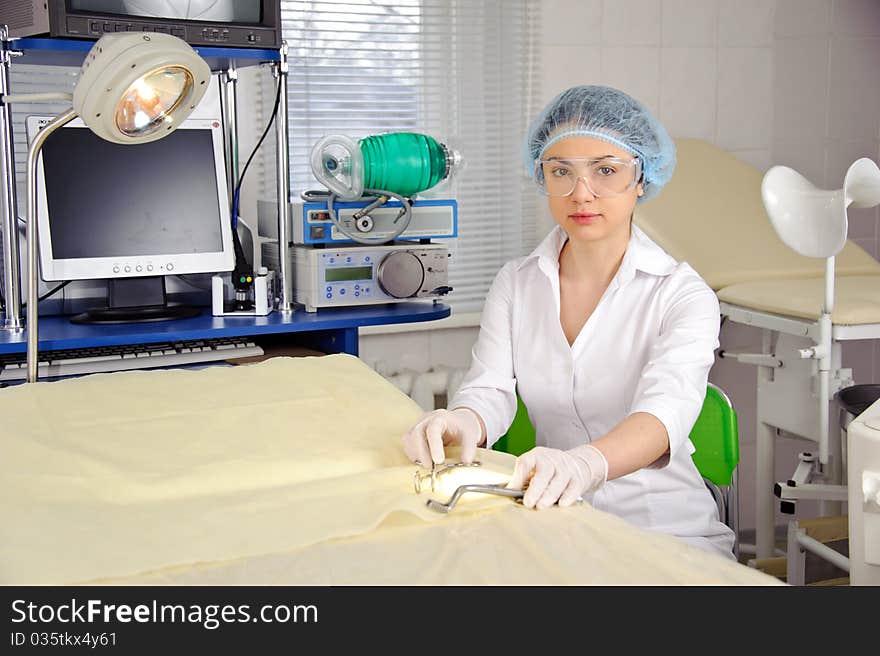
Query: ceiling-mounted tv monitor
x=220 y=23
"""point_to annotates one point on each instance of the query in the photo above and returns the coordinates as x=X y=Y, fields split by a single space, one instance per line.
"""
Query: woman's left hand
x=553 y=475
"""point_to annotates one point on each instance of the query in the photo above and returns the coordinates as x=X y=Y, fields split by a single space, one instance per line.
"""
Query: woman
x=607 y=339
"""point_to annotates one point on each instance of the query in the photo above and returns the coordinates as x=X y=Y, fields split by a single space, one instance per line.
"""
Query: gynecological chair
x=715 y=437
x=806 y=294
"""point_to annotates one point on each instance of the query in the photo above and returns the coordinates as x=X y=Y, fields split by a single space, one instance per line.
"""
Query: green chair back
x=714 y=435
x=520 y=437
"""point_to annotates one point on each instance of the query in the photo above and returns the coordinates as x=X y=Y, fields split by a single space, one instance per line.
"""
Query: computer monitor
x=133 y=214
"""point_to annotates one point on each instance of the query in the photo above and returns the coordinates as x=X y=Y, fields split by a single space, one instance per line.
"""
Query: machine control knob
x=401 y=274
x=365 y=223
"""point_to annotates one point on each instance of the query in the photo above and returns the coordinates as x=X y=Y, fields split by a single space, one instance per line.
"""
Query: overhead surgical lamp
x=133 y=88
x=813 y=222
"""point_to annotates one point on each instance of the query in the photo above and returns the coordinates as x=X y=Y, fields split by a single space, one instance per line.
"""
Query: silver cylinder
x=228 y=80
x=12 y=319
x=286 y=302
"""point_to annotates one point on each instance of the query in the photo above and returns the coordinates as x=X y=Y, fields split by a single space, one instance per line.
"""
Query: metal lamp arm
x=32 y=262
x=36 y=97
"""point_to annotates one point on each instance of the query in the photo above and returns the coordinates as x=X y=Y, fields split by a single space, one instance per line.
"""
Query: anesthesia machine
x=367 y=240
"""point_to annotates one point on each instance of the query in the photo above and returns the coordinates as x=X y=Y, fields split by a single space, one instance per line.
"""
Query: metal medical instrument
x=369 y=275
x=311 y=223
x=421 y=477
x=463 y=489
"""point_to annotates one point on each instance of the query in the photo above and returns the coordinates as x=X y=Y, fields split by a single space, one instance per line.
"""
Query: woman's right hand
x=424 y=442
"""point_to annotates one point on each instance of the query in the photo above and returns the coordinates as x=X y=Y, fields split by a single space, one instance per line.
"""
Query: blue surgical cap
x=611 y=115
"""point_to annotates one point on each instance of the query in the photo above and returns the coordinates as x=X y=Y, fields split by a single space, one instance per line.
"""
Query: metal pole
x=9 y=227
x=765 y=466
x=33 y=271
x=823 y=551
x=228 y=80
x=286 y=304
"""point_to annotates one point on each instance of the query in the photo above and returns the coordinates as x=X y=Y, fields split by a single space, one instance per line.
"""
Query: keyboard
x=75 y=362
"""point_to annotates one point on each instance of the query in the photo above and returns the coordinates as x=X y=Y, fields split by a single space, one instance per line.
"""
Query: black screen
x=221 y=11
x=111 y=200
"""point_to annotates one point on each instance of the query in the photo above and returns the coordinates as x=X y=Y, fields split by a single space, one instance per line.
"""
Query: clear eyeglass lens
x=147 y=102
x=605 y=177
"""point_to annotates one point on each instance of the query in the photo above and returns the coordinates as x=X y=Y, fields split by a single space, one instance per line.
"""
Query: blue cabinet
x=333 y=330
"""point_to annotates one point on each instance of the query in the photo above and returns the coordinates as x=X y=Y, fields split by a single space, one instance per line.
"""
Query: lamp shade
x=813 y=221
x=138 y=87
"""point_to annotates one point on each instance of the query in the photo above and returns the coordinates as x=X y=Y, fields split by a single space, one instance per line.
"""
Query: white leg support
x=765 y=502
x=796 y=561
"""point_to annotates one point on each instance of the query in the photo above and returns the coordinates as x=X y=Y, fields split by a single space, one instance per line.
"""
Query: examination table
x=712 y=216
x=288 y=471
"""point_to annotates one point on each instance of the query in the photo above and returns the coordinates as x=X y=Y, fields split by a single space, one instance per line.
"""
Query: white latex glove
x=424 y=442
x=554 y=475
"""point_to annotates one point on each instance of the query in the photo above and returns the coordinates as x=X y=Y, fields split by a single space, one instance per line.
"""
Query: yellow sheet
x=504 y=545
x=285 y=471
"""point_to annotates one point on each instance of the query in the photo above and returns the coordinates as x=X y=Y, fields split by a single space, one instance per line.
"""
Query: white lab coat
x=647 y=347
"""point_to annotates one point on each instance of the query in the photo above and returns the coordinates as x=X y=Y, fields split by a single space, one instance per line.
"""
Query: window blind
x=459 y=70
x=24 y=79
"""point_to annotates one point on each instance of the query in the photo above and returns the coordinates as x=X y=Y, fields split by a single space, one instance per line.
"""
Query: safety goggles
x=604 y=177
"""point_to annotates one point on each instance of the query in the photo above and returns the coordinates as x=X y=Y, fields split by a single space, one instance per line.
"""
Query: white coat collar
x=642 y=254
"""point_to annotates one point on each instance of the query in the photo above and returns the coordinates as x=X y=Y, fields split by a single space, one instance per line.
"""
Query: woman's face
x=584 y=216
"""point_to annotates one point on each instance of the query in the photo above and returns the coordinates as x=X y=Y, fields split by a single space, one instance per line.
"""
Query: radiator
x=430 y=389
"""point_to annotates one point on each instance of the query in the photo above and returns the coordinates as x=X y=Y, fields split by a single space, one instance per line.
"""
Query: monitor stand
x=136 y=300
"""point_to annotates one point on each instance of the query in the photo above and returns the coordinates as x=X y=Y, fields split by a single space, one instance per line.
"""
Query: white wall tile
x=688 y=92
x=571 y=22
x=869 y=245
x=876 y=367
x=857 y=17
x=631 y=23
x=761 y=159
x=858 y=355
x=634 y=70
x=854 y=89
x=800 y=83
x=688 y=23
x=452 y=347
x=862 y=222
x=806 y=158
x=397 y=352
x=745 y=22
x=802 y=18
x=745 y=99
x=746 y=482
x=567 y=66
x=841 y=154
